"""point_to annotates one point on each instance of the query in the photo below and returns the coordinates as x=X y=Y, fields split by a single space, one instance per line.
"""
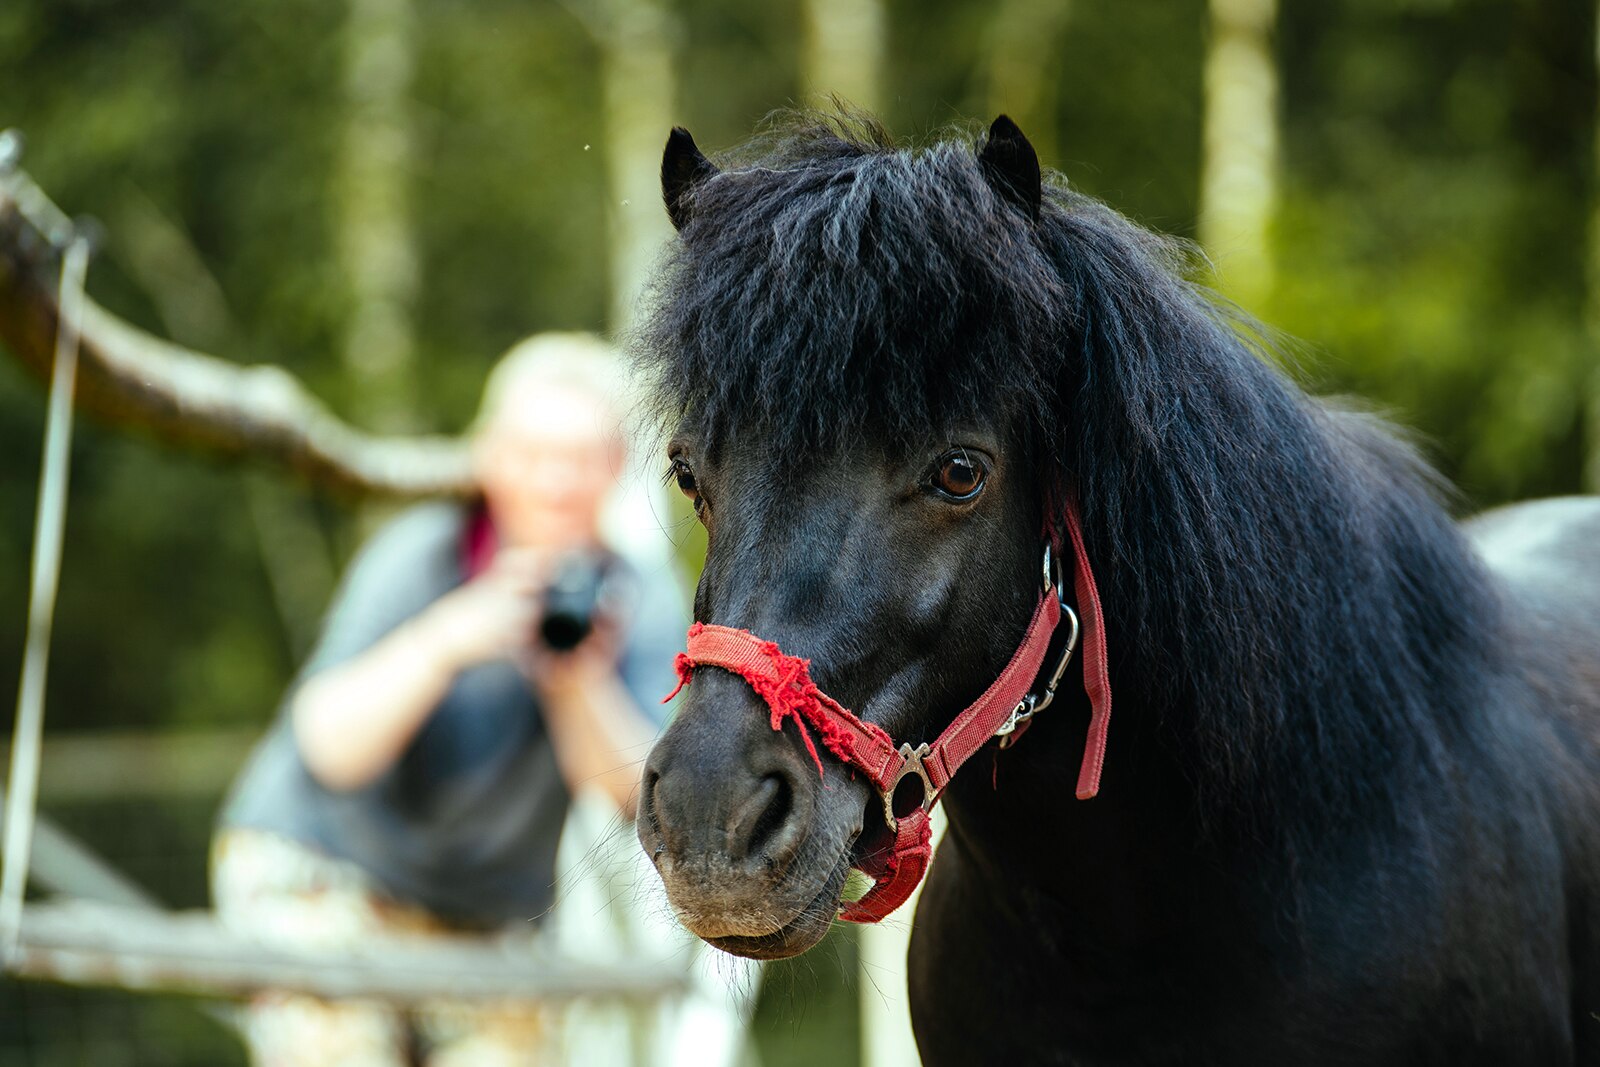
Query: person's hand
x=492 y=616
x=554 y=675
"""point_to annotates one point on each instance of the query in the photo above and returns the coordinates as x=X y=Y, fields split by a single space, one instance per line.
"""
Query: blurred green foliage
x=1439 y=184
x=1437 y=189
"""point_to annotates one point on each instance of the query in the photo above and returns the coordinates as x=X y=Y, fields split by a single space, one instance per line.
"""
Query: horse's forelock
x=833 y=283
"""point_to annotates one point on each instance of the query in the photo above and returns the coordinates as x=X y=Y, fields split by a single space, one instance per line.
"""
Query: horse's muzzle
x=746 y=835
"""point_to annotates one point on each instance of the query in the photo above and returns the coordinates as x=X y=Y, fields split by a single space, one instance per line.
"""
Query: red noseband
x=1004 y=710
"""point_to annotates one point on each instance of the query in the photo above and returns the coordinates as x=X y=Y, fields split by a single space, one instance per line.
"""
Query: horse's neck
x=1119 y=869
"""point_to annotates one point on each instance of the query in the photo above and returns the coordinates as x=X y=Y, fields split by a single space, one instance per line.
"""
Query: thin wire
x=50 y=521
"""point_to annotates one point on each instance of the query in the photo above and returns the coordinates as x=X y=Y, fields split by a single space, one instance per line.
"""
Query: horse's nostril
x=648 y=801
x=771 y=804
x=649 y=826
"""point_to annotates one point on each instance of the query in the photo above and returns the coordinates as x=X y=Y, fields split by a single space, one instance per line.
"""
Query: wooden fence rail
x=198 y=402
x=83 y=943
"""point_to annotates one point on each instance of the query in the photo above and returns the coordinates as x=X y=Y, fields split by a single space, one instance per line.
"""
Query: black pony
x=1351 y=801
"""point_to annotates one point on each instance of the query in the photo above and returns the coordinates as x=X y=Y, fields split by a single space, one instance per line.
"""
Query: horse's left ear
x=683 y=166
x=1012 y=166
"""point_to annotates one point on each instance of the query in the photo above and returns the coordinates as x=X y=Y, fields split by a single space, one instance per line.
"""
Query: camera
x=573 y=597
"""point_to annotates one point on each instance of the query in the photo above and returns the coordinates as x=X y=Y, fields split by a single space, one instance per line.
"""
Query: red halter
x=1004 y=710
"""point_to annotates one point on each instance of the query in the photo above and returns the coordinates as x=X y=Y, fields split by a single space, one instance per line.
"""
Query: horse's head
x=848 y=338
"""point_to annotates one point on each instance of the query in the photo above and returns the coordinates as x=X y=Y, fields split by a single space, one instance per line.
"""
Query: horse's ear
x=1012 y=166
x=682 y=167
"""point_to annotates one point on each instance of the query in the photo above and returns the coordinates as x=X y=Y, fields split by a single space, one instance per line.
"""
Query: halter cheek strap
x=897 y=860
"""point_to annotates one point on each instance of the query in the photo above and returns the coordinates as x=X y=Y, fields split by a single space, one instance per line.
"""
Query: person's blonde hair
x=560 y=360
x=631 y=521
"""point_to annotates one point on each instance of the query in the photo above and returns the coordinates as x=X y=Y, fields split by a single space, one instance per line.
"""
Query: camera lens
x=570 y=601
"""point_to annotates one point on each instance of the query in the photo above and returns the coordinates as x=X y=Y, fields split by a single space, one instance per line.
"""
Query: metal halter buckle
x=913 y=765
x=1031 y=704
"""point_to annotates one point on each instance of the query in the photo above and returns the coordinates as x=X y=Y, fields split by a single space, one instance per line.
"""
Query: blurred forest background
x=382 y=195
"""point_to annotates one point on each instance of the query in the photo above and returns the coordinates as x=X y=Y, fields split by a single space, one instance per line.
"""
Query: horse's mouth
x=798 y=934
x=813 y=921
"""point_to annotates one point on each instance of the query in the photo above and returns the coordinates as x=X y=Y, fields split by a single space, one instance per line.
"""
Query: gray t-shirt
x=466 y=823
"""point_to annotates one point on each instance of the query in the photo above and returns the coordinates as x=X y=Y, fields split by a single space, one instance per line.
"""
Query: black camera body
x=574 y=596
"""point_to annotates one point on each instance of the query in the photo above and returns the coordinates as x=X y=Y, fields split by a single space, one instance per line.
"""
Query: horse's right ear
x=1012 y=166
x=682 y=168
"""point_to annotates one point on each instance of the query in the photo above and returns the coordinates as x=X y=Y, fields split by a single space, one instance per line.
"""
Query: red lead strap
x=899 y=858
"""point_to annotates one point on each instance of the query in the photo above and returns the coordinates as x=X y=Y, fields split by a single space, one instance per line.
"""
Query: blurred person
x=422 y=766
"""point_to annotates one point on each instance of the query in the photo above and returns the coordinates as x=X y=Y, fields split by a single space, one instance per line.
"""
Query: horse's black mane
x=1282 y=576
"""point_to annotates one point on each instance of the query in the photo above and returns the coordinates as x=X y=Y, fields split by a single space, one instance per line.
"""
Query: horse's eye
x=683 y=474
x=959 y=475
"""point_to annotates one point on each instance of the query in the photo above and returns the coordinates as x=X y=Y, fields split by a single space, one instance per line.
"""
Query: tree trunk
x=376 y=246
x=842 y=52
x=636 y=40
x=1023 y=40
x=1590 y=382
x=1239 y=151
